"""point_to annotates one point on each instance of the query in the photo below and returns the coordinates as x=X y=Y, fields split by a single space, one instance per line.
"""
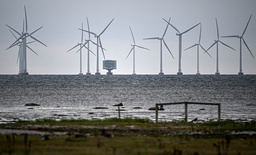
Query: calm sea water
x=75 y=97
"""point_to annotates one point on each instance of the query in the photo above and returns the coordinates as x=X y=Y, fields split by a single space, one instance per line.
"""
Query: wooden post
x=156 y=113
x=219 y=112
x=186 y=112
x=119 y=112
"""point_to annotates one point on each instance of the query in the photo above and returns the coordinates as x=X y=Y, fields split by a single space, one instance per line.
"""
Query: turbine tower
x=80 y=50
x=180 y=42
x=241 y=38
x=22 y=43
x=217 y=48
x=133 y=49
x=161 y=49
x=198 y=45
x=99 y=44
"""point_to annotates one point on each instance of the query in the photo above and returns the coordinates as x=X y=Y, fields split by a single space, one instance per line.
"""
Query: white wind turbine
x=161 y=49
x=80 y=45
x=180 y=42
x=99 y=44
x=198 y=45
x=217 y=48
x=241 y=38
x=133 y=49
x=22 y=43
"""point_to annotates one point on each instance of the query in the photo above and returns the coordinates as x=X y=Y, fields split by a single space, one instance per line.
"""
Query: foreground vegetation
x=130 y=136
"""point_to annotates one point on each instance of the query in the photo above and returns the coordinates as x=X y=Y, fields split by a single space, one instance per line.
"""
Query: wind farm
x=116 y=39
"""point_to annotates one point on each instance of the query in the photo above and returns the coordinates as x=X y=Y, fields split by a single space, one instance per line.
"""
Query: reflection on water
x=74 y=97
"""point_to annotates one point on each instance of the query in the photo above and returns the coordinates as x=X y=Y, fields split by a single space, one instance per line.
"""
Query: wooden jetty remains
x=186 y=108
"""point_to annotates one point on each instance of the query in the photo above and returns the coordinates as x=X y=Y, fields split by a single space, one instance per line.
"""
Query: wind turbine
x=22 y=43
x=217 y=48
x=241 y=38
x=180 y=42
x=161 y=49
x=99 y=44
x=198 y=45
x=80 y=49
x=133 y=49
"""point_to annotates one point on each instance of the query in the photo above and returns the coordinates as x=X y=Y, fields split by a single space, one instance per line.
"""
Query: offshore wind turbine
x=241 y=38
x=21 y=41
x=99 y=44
x=133 y=49
x=80 y=49
x=161 y=48
x=180 y=42
x=217 y=48
x=198 y=45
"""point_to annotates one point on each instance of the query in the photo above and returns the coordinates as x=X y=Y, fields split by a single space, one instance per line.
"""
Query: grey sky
x=62 y=18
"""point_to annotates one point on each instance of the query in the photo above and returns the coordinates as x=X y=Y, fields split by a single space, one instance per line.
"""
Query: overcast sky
x=62 y=18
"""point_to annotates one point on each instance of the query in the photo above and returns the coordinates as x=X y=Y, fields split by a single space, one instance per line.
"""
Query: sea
x=75 y=97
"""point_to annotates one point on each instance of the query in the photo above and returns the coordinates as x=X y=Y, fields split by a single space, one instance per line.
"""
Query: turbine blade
x=247 y=47
x=106 y=27
x=31 y=42
x=205 y=50
x=32 y=50
x=142 y=47
x=226 y=45
x=151 y=38
x=26 y=19
x=200 y=33
x=13 y=29
x=168 y=49
x=15 y=43
x=130 y=52
x=37 y=40
x=13 y=35
x=36 y=30
x=73 y=47
x=166 y=27
x=88 y=28
x=82 y=34
x=211 y=46
x=82 y=46
x=23 y=27
x=190 y=29
x=102 y=48
x=231 y=36
x=218 y=35
x=190 y=47
x=171 y=25
x=247 y=25
x=88 y=31
x=132 y=35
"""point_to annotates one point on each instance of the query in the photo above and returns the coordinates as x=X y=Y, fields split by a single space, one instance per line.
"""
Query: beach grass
x=130 y=136
x=140 y=144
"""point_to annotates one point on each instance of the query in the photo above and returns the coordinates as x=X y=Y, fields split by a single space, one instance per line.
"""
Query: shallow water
x=75 y=97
